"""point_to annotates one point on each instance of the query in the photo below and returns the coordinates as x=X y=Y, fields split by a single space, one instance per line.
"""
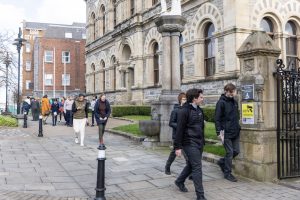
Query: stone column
x=176 y=81
x=258 y=157
x=170 y=27
x=166 y=71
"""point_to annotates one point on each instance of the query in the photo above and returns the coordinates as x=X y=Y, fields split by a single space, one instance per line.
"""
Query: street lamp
x=19 y=43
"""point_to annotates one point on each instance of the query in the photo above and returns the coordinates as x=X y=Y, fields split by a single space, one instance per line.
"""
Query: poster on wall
x=248 y=113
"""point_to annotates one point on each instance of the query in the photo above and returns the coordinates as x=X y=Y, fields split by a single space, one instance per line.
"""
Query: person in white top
x=68 y=111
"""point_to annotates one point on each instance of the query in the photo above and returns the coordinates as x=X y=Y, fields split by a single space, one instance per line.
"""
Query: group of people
x=74 y=111
x=187 y=121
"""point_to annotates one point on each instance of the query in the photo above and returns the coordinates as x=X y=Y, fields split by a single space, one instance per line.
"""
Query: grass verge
x=214 y=149
x=8 y=121
x=131 y=128
x=137 y=117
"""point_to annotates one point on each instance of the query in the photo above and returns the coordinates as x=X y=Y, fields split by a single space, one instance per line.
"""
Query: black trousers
x=193 y=167
x=172 y=157
x=93 y=117
x=232 y=148
x=69 y=117
x=54 y=119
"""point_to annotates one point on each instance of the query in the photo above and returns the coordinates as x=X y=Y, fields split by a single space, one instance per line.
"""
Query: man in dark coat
x=228 y=128
x=35 y=109
x=173 y=123
x=190 y=139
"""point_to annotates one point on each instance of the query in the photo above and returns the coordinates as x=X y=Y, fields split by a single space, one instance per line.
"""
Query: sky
x=13 y=12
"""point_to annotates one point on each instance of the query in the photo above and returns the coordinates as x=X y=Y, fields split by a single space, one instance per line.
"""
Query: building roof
x=73 y=31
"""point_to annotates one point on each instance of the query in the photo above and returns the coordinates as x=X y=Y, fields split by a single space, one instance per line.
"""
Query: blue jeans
x=93 y=117
x=194 y=167
x=232 y=148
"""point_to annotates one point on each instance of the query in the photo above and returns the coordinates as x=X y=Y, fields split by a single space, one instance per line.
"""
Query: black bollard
x=25 y=120
x=100 y=189
x=40 y=126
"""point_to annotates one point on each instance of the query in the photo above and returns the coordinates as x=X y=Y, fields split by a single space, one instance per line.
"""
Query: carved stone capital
x=170 y=23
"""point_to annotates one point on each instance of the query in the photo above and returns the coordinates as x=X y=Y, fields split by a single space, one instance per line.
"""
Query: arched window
x=154 y=2
x=267 y=25
x=102 y=65
x=181 y=56
x=291 y=44
x=126 y=54
x=93 y=27
x=102 y=15
x=155 y=63
x=132 y=11
x=210 y=66
x=93 y=78
x=114 y=64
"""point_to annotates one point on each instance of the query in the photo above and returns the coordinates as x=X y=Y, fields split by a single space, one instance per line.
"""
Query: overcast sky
x=13 y=12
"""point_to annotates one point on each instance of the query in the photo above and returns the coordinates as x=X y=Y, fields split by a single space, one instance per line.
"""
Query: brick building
x=53 y=59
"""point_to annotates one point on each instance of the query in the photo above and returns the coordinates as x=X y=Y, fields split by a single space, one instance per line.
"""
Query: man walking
x=190 y=139
x=173 y=123
x=228 y=128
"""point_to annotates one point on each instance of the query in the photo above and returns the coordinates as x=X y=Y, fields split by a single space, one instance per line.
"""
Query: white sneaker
x=82 y=145
x=76 y=140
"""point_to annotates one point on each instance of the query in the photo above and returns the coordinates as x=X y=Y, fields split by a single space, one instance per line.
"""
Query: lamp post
x=19 y=43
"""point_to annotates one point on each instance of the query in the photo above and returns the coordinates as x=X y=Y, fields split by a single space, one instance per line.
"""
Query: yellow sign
x=247 y=110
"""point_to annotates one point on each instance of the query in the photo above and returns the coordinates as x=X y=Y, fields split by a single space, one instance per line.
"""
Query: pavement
x=55 y=168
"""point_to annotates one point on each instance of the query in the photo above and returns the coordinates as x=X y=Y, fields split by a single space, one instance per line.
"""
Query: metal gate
x=288 y=120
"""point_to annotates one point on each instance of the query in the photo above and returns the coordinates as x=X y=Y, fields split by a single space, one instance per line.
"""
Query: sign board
x=248 y=113
x=247 y=92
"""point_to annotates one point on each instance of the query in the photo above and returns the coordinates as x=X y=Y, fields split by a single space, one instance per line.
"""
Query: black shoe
x=181 y=186
x=230 y=177
x=221 y=165
x=202 y=198
x=92 y=125
x=191 y=177
x=167 y=171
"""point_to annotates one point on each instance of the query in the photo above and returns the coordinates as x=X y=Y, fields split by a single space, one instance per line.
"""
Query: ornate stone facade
x=123 y=50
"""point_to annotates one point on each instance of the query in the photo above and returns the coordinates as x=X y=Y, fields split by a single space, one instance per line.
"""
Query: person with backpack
x=80 y=115
x=173 y=123
x=102 y=112
x=54 y=111
x=190 y=139
x=228 y=128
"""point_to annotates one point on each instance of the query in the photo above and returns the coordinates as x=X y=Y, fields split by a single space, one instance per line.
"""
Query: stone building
x=123 y=46
x=53 y=59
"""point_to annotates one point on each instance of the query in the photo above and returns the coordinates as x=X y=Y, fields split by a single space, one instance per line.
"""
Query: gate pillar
x=257 y=86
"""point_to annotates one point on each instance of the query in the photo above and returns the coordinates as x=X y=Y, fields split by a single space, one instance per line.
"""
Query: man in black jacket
x=190 y=139
x=228 y=128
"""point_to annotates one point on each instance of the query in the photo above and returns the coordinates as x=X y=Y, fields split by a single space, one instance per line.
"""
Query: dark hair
x=192 y=94
x=180 y=96
x=229 y=87
x=95 y=97
x=102 y=94
x=45 y=96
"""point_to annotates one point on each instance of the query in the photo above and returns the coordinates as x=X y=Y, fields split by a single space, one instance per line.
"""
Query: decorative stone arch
x=113 y=72
x=272 y=9
x=293 y=10
x=153 y=66
x=92 y=26
x=125 y=41
x=153 y=34
x=206 y=11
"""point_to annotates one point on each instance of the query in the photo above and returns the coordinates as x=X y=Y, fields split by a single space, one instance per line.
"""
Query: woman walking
x=80 y=110
x=102 y=112
x=45 y=108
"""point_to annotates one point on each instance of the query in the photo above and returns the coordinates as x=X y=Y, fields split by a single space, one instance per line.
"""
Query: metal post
x=7 y=62
x=25 y=119
x=40 y=126
x=100 y=189
x=19 y=44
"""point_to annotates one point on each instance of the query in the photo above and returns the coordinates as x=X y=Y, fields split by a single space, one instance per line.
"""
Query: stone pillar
x=258 y=157
x=170 y=27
